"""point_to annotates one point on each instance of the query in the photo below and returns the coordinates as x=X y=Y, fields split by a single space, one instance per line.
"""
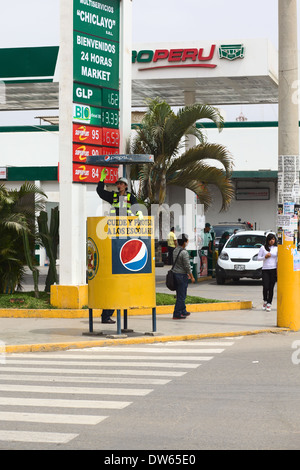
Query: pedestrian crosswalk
x=75 y=388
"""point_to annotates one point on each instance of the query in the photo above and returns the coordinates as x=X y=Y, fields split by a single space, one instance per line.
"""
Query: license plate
x=239 y=267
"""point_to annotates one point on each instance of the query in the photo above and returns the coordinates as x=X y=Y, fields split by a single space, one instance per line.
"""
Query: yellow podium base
x=69 y=296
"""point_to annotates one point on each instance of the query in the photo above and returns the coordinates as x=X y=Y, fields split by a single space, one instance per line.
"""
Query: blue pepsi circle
x=134 y=255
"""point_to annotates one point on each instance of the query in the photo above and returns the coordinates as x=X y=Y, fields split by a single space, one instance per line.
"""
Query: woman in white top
x=268 y=254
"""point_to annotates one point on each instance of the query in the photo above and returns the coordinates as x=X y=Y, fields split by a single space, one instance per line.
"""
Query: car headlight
x=255 y=257
x=224 y=256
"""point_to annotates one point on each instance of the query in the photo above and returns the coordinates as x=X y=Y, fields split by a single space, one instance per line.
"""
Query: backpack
x=170 y=278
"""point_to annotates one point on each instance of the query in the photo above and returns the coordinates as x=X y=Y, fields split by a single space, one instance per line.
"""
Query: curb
x=84 y=313
x=24 y=348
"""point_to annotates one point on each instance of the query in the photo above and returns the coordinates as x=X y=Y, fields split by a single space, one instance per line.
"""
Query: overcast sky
x=36 y=22
x=28 y=22
x=173 y=20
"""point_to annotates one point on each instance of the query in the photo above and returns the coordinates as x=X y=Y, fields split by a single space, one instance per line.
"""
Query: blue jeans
x=181 y=291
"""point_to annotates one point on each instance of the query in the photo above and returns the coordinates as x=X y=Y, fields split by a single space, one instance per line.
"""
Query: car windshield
x=220 y=229
x=246 y=241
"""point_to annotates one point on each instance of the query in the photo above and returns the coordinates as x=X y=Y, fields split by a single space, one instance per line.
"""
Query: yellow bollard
x=288 y=289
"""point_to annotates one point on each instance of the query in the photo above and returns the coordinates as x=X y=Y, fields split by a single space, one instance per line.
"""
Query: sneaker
x=268 y=309
x=264 y=306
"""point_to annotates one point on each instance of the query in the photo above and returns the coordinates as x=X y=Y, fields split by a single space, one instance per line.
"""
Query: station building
x=233 y=72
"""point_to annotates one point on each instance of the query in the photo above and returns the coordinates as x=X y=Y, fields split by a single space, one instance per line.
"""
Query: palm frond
x=163 y=133
x=196 y=177
x=216 y=152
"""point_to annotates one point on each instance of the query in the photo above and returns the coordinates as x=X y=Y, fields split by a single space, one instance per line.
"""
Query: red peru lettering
x=175 y=55
x=177 y=58
x=210 y=56
x=160 y=54
x=189 y=54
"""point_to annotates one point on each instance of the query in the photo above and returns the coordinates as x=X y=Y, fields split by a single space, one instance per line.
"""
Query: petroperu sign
x=186 y=58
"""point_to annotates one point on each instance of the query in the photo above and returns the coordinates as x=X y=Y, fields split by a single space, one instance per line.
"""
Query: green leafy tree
x=163 y=133
x=17 y=234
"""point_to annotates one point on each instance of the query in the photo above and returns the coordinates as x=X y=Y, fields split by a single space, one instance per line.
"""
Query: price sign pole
x=288 y=312
x=94 y=119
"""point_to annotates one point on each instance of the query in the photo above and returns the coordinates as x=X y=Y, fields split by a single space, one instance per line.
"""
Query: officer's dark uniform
x=114 y=199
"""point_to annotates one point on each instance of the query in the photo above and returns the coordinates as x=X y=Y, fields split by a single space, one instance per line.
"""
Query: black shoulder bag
x=170 y=279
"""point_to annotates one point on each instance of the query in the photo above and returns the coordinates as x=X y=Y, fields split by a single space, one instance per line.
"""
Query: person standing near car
x=172 y=243
x=222 y=241
x=182 y=273
x=268 y=253
x=208 y=245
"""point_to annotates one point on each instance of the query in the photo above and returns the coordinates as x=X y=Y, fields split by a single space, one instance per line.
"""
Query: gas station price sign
x=96 y=116
x=96 y=35
x=111 y=137
x=83 y=173
x=83 y=151
x=87 y=134
x=95 y=96
x=83 y=133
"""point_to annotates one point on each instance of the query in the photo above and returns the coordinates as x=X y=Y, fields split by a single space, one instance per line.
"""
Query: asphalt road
x=225 y=394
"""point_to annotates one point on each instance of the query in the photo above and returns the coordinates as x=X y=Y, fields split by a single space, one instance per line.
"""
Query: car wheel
x=220 y=279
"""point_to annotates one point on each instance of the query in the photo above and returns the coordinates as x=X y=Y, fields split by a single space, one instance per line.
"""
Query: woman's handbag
x=170 y=278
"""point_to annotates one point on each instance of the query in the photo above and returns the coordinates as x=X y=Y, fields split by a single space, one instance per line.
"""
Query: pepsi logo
x=134 y=255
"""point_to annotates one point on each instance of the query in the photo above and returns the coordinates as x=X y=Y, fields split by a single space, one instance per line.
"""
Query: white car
x=239 y=256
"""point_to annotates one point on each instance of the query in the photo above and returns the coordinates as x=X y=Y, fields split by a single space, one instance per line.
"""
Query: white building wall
x=253 y=149
x=29 y=148
x=262 y=214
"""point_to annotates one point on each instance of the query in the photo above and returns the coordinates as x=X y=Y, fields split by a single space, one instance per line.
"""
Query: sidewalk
x=44 y=334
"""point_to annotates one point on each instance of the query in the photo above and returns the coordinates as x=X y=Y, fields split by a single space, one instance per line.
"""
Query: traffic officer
x=121 y=203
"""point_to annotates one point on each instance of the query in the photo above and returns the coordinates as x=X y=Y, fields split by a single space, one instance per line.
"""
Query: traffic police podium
x=121 y=266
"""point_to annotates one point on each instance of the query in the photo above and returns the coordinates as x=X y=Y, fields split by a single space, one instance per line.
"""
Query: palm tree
x=163 y=134
x=17 y=234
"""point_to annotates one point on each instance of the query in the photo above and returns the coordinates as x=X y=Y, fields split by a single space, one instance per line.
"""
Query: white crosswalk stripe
x=115 y=363
x=103 y=380
x=78 y=390
x=33 y=385
x=94 y=371
x=51 y=418
x=39 y=437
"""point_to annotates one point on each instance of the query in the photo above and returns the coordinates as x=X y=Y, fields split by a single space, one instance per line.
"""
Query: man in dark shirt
x=121 y=201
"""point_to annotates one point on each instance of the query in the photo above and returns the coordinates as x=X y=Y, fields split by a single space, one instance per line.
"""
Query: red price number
x=111 y=137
